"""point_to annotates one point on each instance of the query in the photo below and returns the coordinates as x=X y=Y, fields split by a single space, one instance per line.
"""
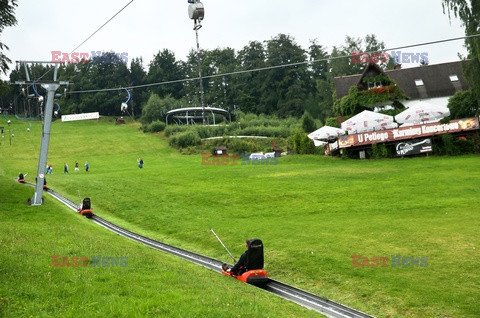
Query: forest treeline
x=284 y=91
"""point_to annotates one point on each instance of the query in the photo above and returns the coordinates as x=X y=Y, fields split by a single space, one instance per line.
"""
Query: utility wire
x=272 y=67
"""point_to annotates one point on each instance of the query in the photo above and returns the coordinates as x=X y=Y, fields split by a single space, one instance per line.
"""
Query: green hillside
x=313 y=214
x=152 y=284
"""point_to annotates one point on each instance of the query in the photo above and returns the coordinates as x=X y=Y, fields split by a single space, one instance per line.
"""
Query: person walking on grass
x=76 y=167
x=86 y=166
x=140 y=163
x=65 y=168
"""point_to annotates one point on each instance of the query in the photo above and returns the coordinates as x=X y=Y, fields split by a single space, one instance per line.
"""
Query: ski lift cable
x=124 y=7
x=330 y=58
x=91 y=35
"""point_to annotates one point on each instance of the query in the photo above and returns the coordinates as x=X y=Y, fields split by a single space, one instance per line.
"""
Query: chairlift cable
x=326 y=59
x=91 y=35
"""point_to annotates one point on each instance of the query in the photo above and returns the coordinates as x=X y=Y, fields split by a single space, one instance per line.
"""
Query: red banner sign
x=410 y=132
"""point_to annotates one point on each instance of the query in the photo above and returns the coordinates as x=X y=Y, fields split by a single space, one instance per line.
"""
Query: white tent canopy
x=326 y=132
x=421 y=113
x=368 y=121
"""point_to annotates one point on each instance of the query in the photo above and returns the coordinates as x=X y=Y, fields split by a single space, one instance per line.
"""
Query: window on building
x=454 y=78
x=419 y=82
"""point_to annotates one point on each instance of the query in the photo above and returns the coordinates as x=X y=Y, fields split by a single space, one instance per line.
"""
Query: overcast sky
x=147 y=26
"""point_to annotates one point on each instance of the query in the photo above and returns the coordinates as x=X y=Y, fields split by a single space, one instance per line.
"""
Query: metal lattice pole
x=51 y=88
x=42 y=160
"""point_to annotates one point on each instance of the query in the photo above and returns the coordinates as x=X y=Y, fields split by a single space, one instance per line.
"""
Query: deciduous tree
x=7 y=18
x=469 y=13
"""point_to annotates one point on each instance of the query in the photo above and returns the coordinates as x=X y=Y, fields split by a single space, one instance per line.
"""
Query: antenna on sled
x=226 y=249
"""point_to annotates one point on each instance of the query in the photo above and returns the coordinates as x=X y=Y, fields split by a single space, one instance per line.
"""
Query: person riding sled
x=240 y=267
x=249 y=268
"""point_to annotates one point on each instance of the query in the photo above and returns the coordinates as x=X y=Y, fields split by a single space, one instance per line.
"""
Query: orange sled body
x=87 y=213
x=255 y=277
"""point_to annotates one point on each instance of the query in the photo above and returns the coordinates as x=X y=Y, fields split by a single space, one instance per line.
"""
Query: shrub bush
x=332 y=122
x=379 y=151
x=308 y=124
x=280 y=131
x=464 y=146
x=185 y=139
x=174 y=129
x=307 y=146
x=156 y=107
x=238 y=145
x=448 y=148
x=155 y=126
x=476 y=144
x=302 y=144
x=247 y=125
x=463 y=104
x=297 y=142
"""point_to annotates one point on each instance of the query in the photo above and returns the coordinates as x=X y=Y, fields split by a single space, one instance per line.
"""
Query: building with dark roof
x=430 y=83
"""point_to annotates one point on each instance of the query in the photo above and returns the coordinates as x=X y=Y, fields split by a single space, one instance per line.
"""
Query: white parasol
x=326 y=132
x=368 y=121
x=422 y=113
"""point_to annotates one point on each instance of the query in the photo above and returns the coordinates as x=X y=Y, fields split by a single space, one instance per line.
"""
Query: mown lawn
x=152 y=284
x=312 y=213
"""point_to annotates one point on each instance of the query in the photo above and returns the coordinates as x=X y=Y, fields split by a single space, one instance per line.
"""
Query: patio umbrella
x=368 y=121
x=326 y=132
x=319 y=143
x=422 y=113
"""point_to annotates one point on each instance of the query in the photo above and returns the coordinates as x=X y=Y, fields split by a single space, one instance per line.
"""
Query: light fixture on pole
x=196 y=12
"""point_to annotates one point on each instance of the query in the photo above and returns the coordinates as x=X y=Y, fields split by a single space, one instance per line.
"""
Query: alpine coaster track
x=303 y=298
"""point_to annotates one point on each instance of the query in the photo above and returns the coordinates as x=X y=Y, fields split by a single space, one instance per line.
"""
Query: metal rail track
x=303 y=298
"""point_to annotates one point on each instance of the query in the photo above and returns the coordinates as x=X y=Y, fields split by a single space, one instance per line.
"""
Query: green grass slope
x=312 y=213
x=153 y=284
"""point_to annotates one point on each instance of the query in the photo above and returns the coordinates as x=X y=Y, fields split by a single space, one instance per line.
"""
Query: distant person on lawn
x=86 y=166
